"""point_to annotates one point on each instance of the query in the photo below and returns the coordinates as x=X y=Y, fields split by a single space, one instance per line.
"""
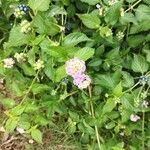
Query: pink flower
x=134 y=117
x=74 y=66
x=82 y=81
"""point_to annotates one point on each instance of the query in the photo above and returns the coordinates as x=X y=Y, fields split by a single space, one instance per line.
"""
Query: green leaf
x=17 y=38
x=17 y=110
x=84 y=53
x=110 y=125
x=7 y=102
x=75 y=38
x=39 y=88
x=11 y=124
x=142 y=13
x=139 y=64
x=105 y=81
x=56 y=10
x=118 y=90
x=36 y=135
x=95 y=62
x=142 y=26
x=135 y=40
x=91 y=21
x=128 y=80
x=113 y=13
x=128 y=18
x=39 y=5
x=28 y=70
x=60 y=73
x=45 y=24
x=109 y=105
x=90 y=2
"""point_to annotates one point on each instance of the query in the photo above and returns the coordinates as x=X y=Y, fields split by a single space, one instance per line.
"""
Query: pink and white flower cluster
x=76 y=68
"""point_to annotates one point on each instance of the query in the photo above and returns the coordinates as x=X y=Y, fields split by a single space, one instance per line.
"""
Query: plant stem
x=131 y=7
x=29 y=89
x=132 y=87
x=93 y=115
x=143 y=132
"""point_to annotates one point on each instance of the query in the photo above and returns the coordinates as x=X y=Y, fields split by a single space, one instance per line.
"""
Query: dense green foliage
x=111 y=36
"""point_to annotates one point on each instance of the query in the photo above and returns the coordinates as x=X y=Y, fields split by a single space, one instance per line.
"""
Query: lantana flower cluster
x=76 y=68
x=25 y=26
x=21 y=10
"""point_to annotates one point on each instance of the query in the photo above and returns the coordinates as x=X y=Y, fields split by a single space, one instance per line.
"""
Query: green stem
x=62 y=23
x=93 y=115
x=131 y=7
x=30 y=87
x=143 y=132
x=131 y=87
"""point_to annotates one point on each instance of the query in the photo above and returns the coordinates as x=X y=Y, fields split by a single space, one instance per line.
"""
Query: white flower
x=134 y=117
x=109 y=33
x=38 y=65
x=145 y=104
x=98 y=6
x=8 y=62
x=20 y=130
x=31 y=141
x=120 y=35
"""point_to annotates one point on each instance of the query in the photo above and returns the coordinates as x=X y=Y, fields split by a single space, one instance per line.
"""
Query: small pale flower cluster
x=18 y=13
x=20 y=130
x=134 y=117
x=21 y=10
x=76 y=68
x=38 y=65
x=108 y=33
x=112 y=2
x=145 y=104
x=120 y=35
x=98 y=6
x=8 y=63
x=20 y=57
x=25 y=26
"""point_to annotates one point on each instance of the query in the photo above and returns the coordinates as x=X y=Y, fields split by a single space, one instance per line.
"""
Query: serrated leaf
x=28 y=70
x=75 y=38
x=90 y=2
x=109 y=105
x=56 y=10
x=113 y=13
x=142 y=12
x=127 y=18
x=38 y=88
x=142 y=26
x=105 y=81
x=45 y=24
x=91 y=21
x=135 y=40
x=36 y=135
x=84 y=53
x=139 y=64
x=39 y=5
x=128 y=80
x=7 y=102
x=17 y=38
x=118 y=90
x=60 y=73
x=11 y=124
